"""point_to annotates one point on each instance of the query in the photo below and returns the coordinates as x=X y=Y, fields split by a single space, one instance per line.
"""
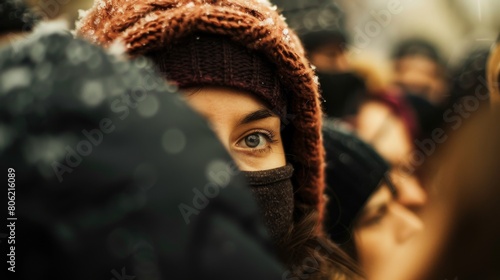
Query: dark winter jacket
x=115 y=177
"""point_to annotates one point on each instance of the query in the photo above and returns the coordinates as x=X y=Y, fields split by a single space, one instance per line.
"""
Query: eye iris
x=252 y=141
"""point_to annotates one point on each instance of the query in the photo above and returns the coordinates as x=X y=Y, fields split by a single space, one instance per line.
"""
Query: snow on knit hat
x=148 y=26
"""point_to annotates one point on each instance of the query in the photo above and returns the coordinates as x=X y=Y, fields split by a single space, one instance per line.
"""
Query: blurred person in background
x=389 y=124
x=470 y=76
x=321 y=27
x=461 y=240
x=462 y=215
x=365 y=216
x=16 y=20
x=241 y=67
x=469 y=92
x=379 y=115
x=395 y=118
x=419 y=70
x=494 y=73
x=98 y=191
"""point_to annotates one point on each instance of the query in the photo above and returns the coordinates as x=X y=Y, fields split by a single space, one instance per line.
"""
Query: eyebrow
x=257 y=115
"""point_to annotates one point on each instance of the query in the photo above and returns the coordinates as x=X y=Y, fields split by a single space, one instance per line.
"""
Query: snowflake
x=265 y=2
x=117 y=48
x=151 y=17
x=82 y=13
x=316 y=79
x=268 y=21
x=101 y=5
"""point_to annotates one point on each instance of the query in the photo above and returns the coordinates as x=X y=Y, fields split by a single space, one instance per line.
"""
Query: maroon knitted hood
x=146 y=26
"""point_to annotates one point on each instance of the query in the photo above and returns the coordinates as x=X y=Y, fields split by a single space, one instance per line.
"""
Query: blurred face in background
x=383 y=226
x=244 y=125
x=386 y=132
x=494 y=74
x=421 y=76
x=461 y=237
x=330 y=57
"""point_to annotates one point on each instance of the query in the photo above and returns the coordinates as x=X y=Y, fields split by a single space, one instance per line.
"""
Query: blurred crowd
x=244 y=139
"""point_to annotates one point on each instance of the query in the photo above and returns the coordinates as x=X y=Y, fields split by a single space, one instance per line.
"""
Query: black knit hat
x=354 y=171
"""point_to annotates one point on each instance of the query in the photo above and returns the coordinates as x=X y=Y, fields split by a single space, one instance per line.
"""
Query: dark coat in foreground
x=115 y=177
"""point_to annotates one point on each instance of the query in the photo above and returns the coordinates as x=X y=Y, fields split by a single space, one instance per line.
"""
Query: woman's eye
x=254 y=141
x=374 y=220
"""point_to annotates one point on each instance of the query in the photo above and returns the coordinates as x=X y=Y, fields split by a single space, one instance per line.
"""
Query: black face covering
x=342 y=92
x=273 y=192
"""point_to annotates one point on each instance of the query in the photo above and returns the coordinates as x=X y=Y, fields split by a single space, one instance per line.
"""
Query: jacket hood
x=144 y=26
